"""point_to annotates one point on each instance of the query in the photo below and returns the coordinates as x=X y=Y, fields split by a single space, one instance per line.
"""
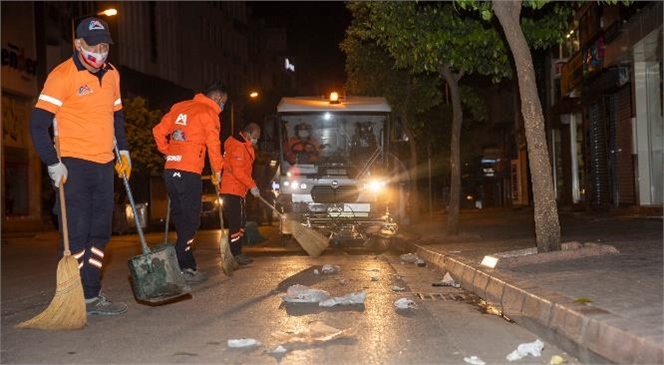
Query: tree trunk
x=547 y=224
x=452 y=81
x=414 y=192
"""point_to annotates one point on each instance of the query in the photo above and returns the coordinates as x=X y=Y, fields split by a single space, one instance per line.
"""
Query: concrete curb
x=589 y=333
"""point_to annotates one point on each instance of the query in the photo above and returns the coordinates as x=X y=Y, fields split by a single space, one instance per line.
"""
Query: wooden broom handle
x=63 y=206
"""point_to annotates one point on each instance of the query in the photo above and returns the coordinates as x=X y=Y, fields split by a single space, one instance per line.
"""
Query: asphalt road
x=447 y=326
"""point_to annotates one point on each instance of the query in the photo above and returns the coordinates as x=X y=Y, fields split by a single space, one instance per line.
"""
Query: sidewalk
x=602 y=308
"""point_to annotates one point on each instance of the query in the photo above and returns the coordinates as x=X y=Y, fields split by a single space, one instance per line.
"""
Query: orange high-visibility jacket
x=186 y=131
x=238 y=160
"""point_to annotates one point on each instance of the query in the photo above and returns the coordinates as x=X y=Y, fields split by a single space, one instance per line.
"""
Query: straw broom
x=228 y=263
x=311 y=241
x=67 y=309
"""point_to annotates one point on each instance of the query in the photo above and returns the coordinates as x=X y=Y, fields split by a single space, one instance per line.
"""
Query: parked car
x=210 y=205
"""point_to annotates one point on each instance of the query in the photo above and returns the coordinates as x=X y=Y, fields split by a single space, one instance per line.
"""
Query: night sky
x=315 y=29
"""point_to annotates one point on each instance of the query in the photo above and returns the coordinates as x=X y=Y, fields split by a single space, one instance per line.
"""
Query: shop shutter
x=623 y=157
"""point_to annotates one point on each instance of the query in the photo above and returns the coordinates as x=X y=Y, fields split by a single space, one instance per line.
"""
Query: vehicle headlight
x=376 y=185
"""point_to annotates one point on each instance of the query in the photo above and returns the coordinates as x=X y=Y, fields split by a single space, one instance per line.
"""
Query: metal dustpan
x=155 y=275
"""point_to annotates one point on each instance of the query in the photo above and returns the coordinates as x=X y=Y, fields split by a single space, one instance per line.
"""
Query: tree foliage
x=139 y=120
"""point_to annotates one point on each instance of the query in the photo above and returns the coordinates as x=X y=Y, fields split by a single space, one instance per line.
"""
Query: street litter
x=474 y=360
x=317 y=332
x=375 y=278
x=243 y=342
x=408 y=257
x=315 y=271
x=278 y=350
x=398 y=288
x=420 y=263
x=405 y=303
x=447 y=281
x=302 y=294
x=330 y=269
x=530 y=348
x=352 y=298
x=557 y=360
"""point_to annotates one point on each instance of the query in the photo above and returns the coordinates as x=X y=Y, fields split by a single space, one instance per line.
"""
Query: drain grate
x=459 y=297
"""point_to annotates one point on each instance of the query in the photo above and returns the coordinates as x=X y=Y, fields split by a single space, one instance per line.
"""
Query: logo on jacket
x=84 y=90
x=181 y=119
x=176 y=158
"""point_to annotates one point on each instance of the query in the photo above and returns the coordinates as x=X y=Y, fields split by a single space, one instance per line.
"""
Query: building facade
x=605 y=109
x=165 y=51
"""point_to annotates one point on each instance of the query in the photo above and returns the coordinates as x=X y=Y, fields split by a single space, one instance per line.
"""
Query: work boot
x=243 y=260
x=192 y=276
x=101 y=305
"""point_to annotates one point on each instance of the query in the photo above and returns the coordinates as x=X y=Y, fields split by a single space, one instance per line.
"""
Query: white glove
x=58 y=172
x=255 y=192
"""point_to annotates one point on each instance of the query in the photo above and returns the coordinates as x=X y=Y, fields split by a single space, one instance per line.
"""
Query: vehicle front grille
x=342 y=194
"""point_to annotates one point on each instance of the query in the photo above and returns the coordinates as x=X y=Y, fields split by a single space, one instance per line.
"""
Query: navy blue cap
x=94 y=31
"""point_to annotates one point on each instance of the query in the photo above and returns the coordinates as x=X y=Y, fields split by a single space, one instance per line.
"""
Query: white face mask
x=303 y=134
x=93 y=59
x=221 y=105
x=254 y=141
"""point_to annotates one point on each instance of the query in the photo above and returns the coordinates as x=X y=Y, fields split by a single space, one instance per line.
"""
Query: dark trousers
x=236 y=216
x=184 y=189
x=89 y=207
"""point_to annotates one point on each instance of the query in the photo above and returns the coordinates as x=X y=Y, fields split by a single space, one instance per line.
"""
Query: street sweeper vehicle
x=336 y=174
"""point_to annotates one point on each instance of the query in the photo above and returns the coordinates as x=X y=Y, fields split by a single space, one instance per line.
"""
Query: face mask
x=254 y=141
x=221 y=105
x=93 y=59
x=303 y=134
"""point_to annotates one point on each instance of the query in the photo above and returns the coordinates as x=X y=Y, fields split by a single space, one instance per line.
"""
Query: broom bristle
x=67 y=309
x=312 y=242
x=228 y=262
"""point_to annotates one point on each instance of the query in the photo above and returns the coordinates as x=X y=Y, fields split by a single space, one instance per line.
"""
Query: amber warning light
x=334 y=98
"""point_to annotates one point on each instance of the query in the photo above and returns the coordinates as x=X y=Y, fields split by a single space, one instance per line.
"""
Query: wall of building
x=21 y=168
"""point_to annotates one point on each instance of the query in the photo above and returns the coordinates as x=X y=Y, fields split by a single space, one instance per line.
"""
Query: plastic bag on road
x=530 y=348
x=352 y=298
x=303 y=294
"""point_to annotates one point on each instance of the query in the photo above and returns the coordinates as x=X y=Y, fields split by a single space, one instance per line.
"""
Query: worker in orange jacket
x=236 y=179
x=81 y=101
x=184 y=134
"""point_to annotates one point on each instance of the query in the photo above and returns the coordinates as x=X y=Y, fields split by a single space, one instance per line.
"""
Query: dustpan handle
x=168 y=217
x=139 y=229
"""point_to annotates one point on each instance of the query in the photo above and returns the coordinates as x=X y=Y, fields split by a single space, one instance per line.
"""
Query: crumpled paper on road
x=405 y=303
x=409 y=257
x=530 y=348
x=317 y=332
x=243 y=342
x=330 y=269
x=352 y=298
x=303 y=294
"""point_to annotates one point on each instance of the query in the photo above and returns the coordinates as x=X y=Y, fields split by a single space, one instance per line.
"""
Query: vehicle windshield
x=313 y=140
